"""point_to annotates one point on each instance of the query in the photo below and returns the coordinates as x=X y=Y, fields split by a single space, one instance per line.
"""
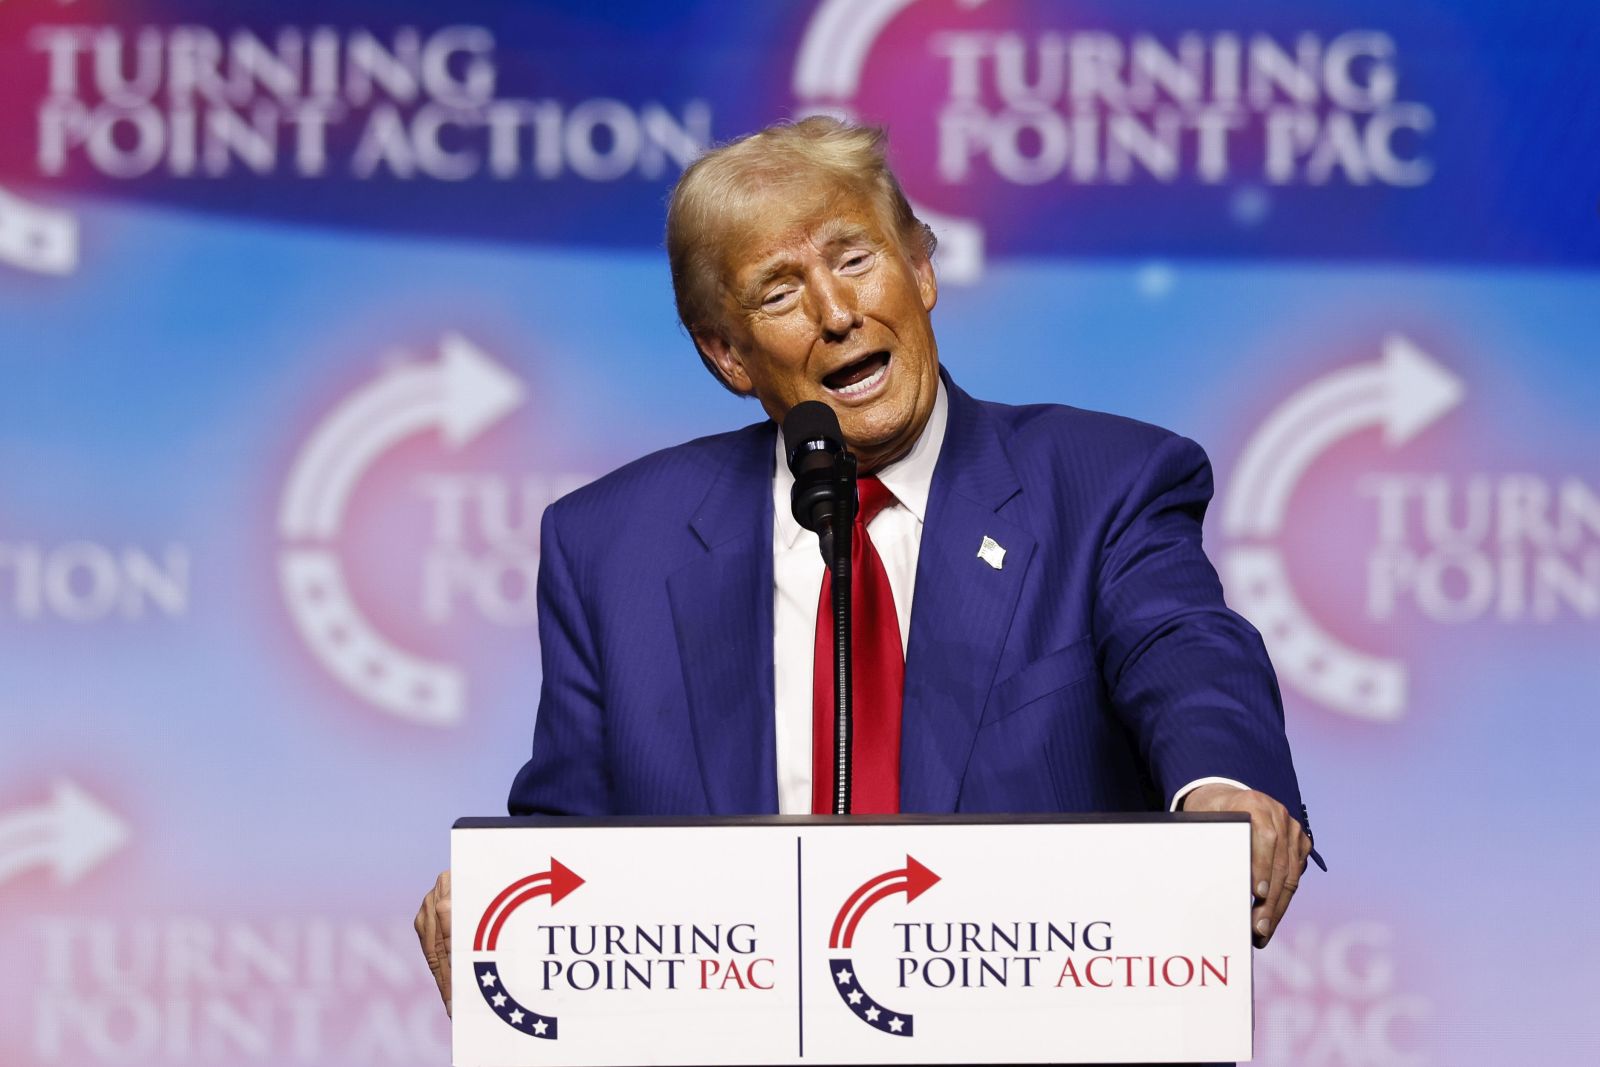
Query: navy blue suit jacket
x=1097 y=670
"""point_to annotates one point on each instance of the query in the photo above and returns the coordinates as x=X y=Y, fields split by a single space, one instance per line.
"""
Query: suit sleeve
x=566 y=774
x=1189 y=677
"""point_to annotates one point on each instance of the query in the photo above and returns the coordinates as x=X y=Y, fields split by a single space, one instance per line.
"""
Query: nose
x=837 y=309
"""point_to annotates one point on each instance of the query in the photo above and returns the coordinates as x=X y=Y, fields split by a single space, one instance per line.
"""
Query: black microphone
x=822 y=469
x=824 y=500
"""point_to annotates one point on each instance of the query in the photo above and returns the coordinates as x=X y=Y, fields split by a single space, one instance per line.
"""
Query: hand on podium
x=1278 y=849
x=433 y=931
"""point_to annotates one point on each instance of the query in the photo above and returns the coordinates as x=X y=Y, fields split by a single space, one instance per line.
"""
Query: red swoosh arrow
x=913 y=880
x=555 y=883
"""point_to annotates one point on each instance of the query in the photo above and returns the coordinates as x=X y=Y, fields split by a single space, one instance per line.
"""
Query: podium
x=821 y=940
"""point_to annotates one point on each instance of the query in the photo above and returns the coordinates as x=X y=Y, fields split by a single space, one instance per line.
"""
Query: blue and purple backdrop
x=414 y=250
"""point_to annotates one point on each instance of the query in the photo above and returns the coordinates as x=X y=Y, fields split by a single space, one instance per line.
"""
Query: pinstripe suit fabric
x=1097 y=670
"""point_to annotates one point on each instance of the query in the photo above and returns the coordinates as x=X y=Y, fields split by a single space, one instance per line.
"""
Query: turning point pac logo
x=1022 y=103
x=559 y=959
x=555 y=883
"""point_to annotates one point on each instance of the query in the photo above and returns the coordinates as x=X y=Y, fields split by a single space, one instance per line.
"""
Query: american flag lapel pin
x=991 y=552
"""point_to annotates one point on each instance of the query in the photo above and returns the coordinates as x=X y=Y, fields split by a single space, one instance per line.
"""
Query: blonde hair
x=719 y=191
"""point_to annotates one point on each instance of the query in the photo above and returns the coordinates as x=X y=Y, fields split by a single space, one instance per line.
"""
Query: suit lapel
x=962 y=607
x=722 y=614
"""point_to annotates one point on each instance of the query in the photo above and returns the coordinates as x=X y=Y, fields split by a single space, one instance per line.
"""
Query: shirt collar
x=909 y=478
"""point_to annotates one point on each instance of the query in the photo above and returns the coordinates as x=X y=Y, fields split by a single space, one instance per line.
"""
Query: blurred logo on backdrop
x=37 y=238
x=87 y=581
x=1021 y=128
x=69 y=835
x=181 y=988
x=212 y=101
x=1447 y=548
x=300 y=121
x=1018 y=105
x=476 y=559
x=1336 y=993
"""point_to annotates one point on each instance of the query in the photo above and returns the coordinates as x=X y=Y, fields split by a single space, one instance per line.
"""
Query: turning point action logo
x=945 y=959
x=460 y=396
x=913 y=880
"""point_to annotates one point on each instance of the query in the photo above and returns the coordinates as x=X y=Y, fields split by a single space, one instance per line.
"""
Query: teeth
x=865 y=385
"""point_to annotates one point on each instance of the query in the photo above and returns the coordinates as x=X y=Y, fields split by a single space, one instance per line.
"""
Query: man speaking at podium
x=1037 y=628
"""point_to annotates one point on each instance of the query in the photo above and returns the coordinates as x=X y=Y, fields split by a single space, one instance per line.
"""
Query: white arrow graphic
x=461 y=395
x=836 y=42
x=71 y=833
x=1402 y=394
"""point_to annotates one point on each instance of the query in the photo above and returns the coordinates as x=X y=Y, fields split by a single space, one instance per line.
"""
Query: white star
x=540 y=1026
x=872 y=1015
x=855 y=996
x=488 y=979
x=516 y=1018
x=499 y=1000
x=896 y=1025
x=843 y=976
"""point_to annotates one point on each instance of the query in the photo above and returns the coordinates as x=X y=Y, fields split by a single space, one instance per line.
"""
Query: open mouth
x=860 y=377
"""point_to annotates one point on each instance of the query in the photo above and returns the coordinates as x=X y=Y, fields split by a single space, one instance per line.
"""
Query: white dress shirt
x=797 y=572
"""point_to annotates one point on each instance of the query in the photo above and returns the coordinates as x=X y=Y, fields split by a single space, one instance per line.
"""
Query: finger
x=432 y=943
x=1301 y=850
x=1263 y=844
x=427 y=927
x=1284 y=862
x=441 y=911
x=442 y=906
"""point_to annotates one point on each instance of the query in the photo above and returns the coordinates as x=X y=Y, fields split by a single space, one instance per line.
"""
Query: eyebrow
x=831 y=234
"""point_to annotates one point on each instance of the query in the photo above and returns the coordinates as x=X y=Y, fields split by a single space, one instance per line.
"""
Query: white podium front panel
x=793 y=941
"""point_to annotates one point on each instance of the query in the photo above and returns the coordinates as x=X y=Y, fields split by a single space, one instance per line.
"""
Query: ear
x=725 y=358
x=927 y=282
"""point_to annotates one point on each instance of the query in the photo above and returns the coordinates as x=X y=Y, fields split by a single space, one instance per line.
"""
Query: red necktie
x=879 y=669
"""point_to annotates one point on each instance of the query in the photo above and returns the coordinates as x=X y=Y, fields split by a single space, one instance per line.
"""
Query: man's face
x=823 y=303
